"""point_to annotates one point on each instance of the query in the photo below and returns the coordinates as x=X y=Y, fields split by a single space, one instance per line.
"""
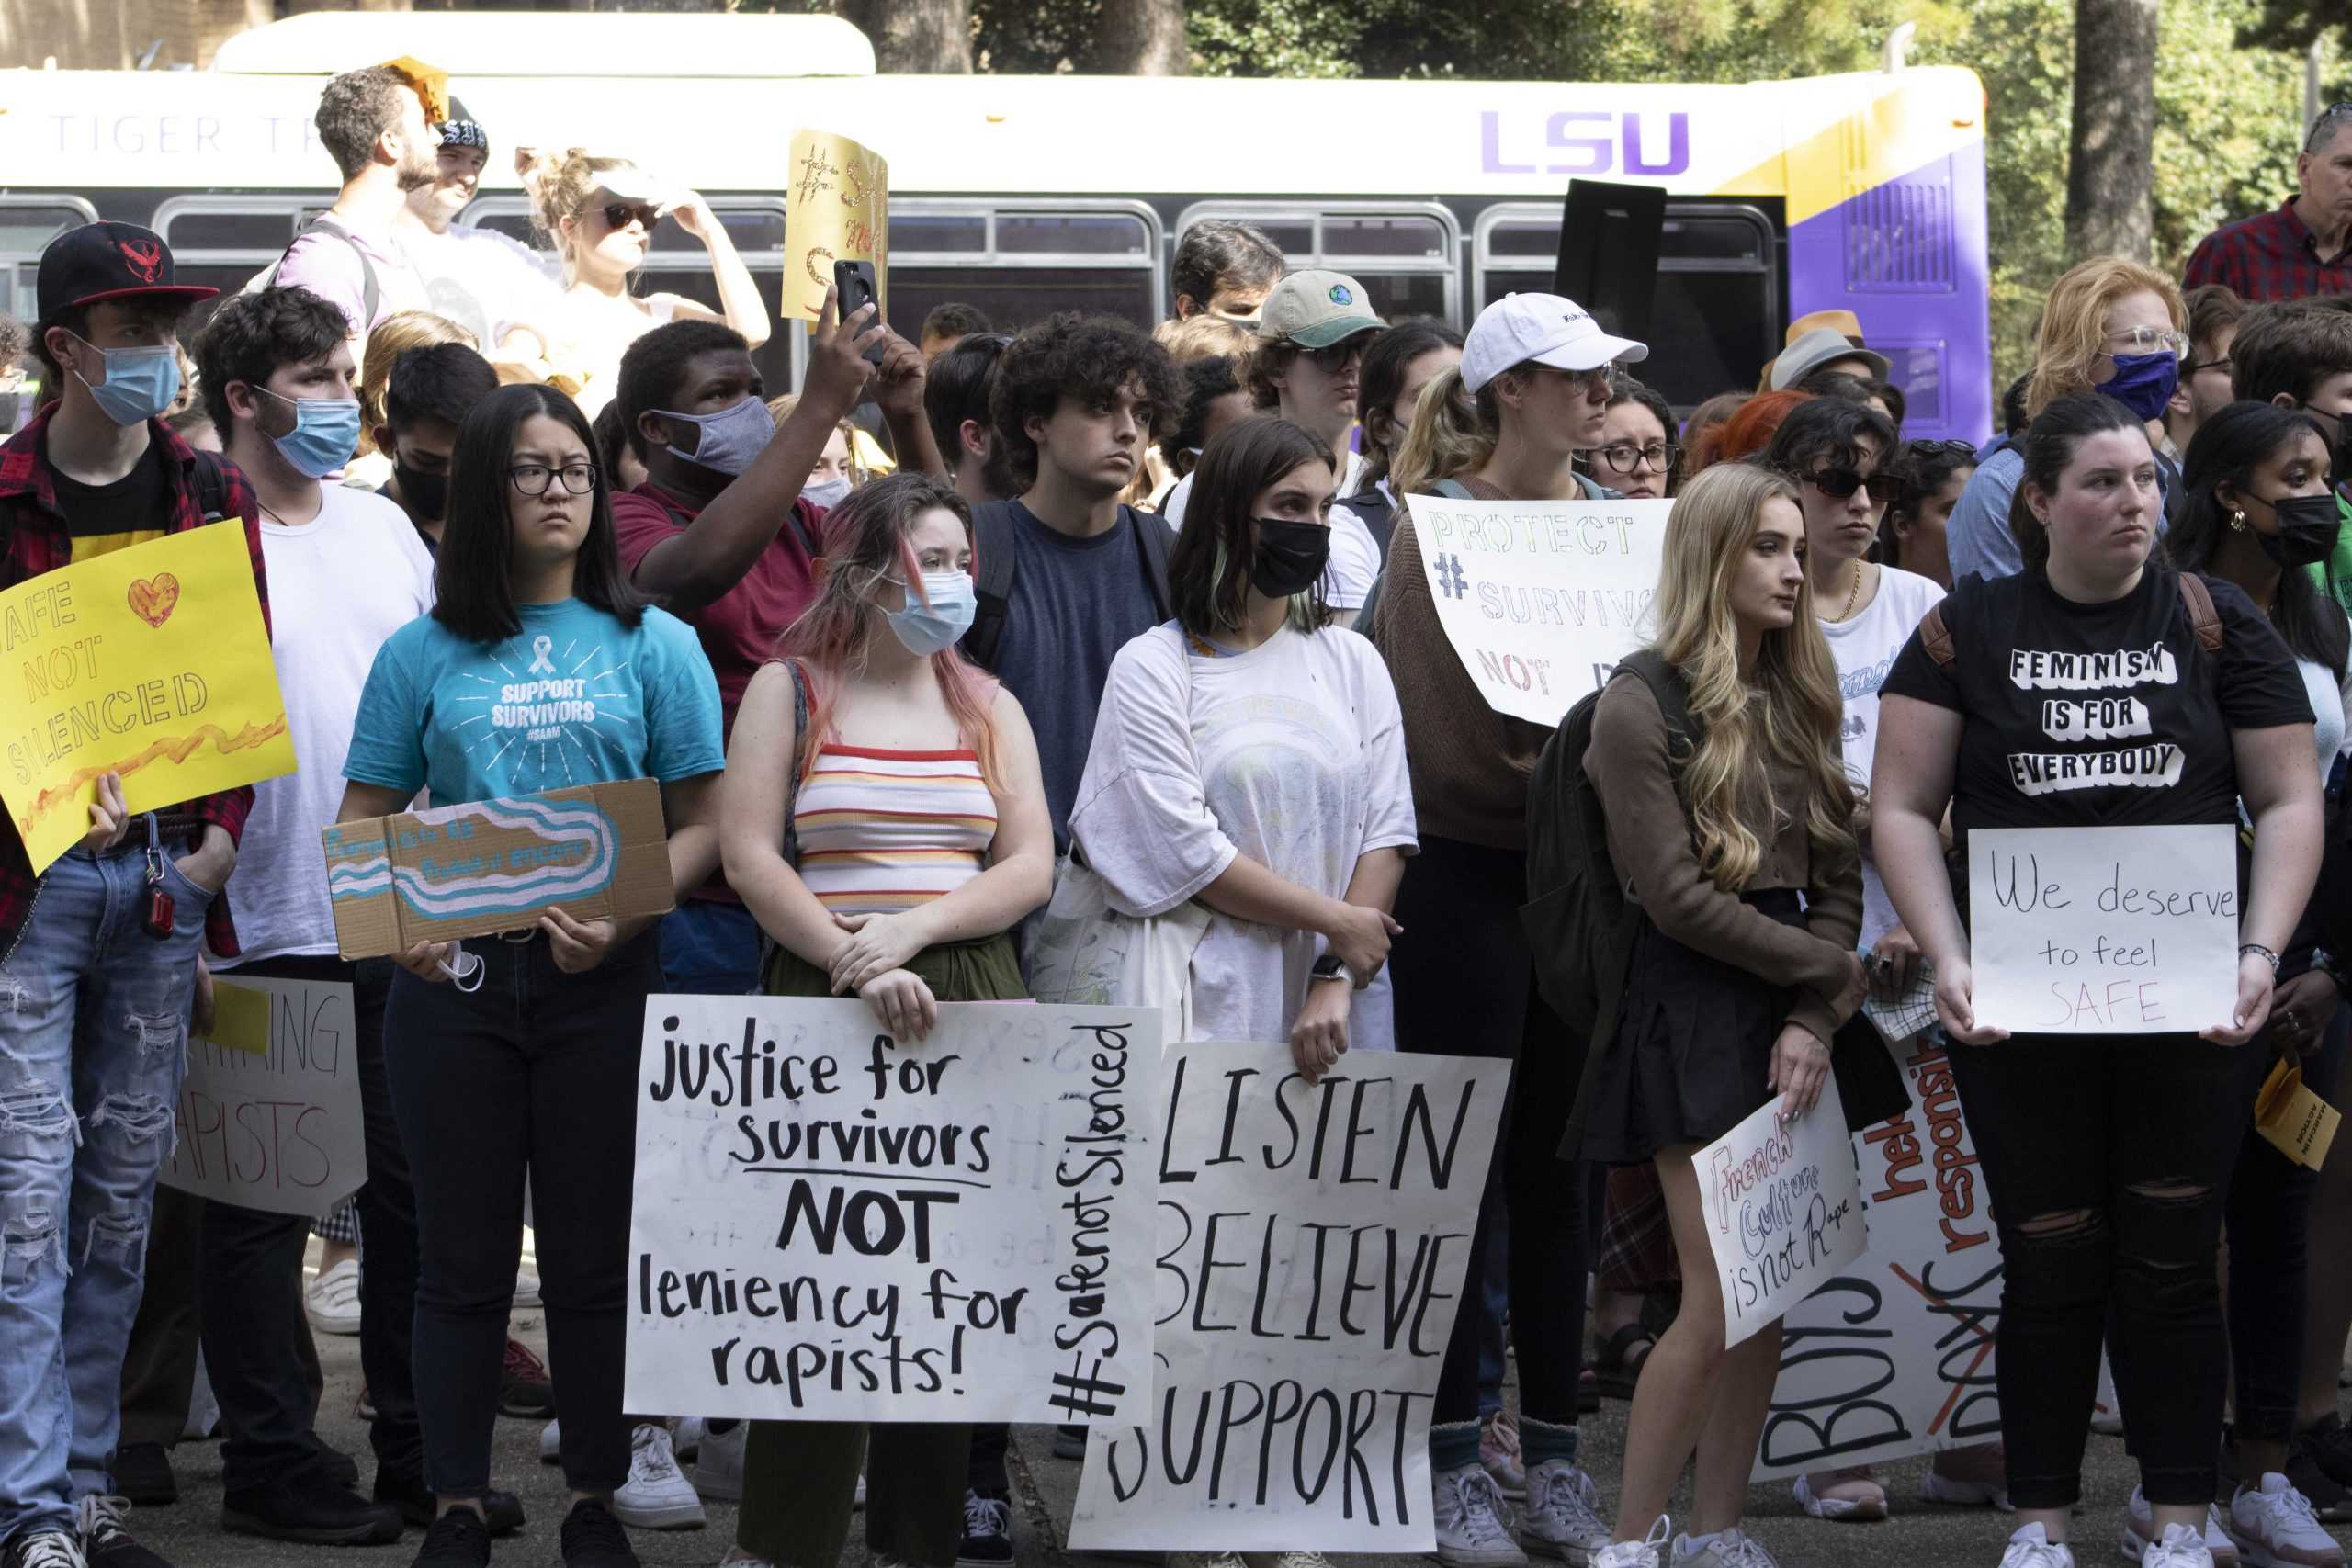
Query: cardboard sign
x=837 y=209
x=831 y=1224
x=1784 y=1208
x=278 y=1129
x=2294 y=1120
x=1313 y=1240
x=1540 y=598
x=597 y=851
x=2104 y=930
x=149 y=662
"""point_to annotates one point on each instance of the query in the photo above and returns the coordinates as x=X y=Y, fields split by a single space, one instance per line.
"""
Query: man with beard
x=489 y=283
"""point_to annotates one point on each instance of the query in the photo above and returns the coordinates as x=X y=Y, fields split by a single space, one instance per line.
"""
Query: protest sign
x=149 y=662
x=481 y=866
x=1312 y=1245
x=831 y=1224
x=1784 y=1208
x=1540 y=598
x=277 y=1129
x=838 y=208
x=2104 y=930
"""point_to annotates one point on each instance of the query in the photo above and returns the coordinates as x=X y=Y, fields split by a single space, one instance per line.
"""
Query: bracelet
x=2328 y=964
x=2263 y=953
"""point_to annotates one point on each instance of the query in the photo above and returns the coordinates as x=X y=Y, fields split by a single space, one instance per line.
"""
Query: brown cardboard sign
x=597 y=851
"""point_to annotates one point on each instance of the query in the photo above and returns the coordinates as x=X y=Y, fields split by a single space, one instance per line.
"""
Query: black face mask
x=427 y=495
x=1291 y=557
x=2307 y=529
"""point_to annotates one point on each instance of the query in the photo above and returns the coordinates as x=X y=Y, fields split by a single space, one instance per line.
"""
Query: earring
x=2237 y=520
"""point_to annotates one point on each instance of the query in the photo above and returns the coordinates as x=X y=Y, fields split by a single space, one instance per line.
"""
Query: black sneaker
x=457 y=1539
x=503 y=1510
x=593 y=1539
x=42 y=1549
x=988 y=1532
x=1070 y=1442
x=143 y=1475
x=105 y=1543
x=335 y=1462
x=2330 y=1502
x=310 y=1506
x=2330 y=1443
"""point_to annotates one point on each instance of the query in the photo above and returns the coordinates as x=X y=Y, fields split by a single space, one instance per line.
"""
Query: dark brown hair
x=1208 y=571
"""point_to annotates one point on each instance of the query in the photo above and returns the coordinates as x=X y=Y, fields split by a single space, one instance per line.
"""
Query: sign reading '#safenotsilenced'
x=831 y=1224
x=1540 y=598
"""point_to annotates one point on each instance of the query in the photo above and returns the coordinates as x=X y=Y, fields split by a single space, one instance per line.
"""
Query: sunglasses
x=1336 y=358
x=1837 y=484
x=1936 y=450
x=619 y=214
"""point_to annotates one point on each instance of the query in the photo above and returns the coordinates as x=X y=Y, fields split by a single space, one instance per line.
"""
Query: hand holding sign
x=1783 y=1208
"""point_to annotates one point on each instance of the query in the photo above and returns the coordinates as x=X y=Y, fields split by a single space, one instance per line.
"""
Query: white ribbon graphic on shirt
x=539 y=648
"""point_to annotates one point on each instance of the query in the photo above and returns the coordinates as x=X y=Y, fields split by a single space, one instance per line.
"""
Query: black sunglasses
x=1923 y=448
x=1839 y=483
x=1334 y=359
x=618 y=213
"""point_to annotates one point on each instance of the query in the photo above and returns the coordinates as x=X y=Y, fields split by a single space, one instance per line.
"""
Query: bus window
x=1403 y=255
x=940 y=231
x=1019 y=263
x=1108 y=233
x=1014 y=298
x=27 y=226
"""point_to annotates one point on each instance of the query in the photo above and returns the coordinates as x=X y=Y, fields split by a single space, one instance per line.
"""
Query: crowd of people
x=1149 y=608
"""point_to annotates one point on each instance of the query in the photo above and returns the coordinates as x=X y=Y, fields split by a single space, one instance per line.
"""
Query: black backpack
x=994 y=557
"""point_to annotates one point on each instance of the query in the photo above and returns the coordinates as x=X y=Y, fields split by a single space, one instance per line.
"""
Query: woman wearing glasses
x=2111 y=326
x=1637 y=455
x=539 y=668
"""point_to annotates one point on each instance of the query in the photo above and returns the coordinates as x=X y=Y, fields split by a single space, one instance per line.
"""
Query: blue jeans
x=710 y=949
x=93 y=1043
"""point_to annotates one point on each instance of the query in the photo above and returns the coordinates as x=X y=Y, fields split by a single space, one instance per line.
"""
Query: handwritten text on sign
x=833 y=1225
x=1540 y=598
x=1312 y=1245
x=1784 y=1208
x=278 y=1130
x=2104 y=930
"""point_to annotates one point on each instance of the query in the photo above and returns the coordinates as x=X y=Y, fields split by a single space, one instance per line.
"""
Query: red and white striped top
x=882 y=832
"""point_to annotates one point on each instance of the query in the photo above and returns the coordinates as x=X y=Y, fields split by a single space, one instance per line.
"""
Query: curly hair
x=560 y=185
x=252 y=335
x=1085 y=358
x=357 y=107
x=1206 y=380
x=653 y=368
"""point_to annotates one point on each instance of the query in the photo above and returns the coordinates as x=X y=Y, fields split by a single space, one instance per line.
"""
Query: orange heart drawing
x=154 y=600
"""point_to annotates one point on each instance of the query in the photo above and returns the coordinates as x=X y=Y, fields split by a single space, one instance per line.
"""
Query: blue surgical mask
x=140 y=382
x=2143 y=382
x=825 y=492
x=325 y=433
x=730 y=438
x=927 y=628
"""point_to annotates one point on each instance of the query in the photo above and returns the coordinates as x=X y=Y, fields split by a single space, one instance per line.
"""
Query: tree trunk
x=1141 y=38
x=925 y=38
x=2110 y=173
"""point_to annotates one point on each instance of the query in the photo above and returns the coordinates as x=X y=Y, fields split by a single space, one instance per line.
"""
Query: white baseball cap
x=1543 y=328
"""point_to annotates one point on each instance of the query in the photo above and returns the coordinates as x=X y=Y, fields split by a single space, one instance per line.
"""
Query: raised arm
x=739 y=293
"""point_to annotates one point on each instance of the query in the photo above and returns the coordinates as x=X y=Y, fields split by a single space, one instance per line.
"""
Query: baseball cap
x=1545 y=328
x=1821 y=346
x=462 y=129
x=1315 y=309
x=109 y=261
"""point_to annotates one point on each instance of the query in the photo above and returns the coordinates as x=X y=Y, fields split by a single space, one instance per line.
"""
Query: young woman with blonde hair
x=393 y=336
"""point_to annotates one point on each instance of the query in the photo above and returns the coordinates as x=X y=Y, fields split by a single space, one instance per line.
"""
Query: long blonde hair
x=560 y=185
x=2073 y=335
x=393 y=336
x=1448 y=436
x=1797 y=719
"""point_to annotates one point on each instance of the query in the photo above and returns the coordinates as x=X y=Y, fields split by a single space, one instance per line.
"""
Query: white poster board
x=2104 y=930
x=278 y=1130
x=1540 y=598
x=1312 y=1245
x=1784 y=1207
x=831 y=1224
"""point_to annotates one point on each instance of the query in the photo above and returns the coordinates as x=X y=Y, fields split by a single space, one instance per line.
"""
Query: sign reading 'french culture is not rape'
x=1784 y=1207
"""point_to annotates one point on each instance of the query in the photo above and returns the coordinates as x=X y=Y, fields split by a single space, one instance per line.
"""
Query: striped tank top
x=882 y=832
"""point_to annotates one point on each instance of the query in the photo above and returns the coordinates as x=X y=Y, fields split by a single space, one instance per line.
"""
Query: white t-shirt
x=1355 y=557
x=1865 y=649
x=2330 y=702
x=1292 y=754
x=486 y=282
x=338 y=587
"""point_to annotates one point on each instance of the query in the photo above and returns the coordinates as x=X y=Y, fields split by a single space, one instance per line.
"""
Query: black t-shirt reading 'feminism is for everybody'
x=2081 y=716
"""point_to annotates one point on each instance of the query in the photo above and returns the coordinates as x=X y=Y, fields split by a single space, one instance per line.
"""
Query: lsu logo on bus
x=1585 y=141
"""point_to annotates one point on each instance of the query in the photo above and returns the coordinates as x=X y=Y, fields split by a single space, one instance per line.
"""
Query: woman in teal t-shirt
x=539 y=668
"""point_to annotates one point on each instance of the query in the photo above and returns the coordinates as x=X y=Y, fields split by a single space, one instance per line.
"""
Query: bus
x=1025 y=194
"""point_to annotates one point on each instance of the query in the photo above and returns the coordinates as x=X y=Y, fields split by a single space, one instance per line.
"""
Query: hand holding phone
x=855 y=286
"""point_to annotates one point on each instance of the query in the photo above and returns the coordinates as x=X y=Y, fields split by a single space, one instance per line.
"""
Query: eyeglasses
x=533 y=479
x=2150 y=340
x=619 y=214
x=1336 y=358
x=2190 y=368
x=1624 y=457
x=1837 y=484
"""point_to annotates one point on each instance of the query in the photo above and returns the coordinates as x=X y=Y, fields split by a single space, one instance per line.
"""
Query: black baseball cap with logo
x=99 y=261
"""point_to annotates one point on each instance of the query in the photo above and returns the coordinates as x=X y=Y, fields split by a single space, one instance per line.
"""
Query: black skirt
x=1693 y=1048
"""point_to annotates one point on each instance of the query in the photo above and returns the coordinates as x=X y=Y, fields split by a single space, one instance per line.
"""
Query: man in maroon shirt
x=2305 y=247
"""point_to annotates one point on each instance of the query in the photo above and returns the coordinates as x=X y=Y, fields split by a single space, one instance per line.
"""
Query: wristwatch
x=1329 y=968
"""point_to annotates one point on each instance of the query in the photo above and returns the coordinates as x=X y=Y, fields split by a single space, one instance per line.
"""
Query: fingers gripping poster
x=830 y=1224
x=1313 y=1240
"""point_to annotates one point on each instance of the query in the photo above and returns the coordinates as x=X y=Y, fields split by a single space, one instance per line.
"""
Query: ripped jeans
x=93 y=1037
x=2107 y=1157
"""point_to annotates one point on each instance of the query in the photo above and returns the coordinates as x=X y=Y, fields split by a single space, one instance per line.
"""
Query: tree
x=920 y=37
x=2110 y=177
x=1141 y=38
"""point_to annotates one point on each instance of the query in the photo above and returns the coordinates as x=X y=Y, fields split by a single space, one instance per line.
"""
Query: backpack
x=994 y=557
x=2195 y=598
x=211 y=487
x=372 y=292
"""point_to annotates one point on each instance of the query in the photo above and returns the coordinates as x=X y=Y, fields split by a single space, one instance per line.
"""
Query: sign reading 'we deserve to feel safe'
x=149 y=662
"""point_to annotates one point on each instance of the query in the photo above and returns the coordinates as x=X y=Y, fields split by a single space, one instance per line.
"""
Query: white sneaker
x=718 y=1463
x=526 y=1289
x=1851 y=1496
x=1562 y=1518
x=2179 y=1547
x=1641 y=1553
x=657 y=1495
x=2032 y=1548
x=550 y=1444
x=1285 y=1559
x=1205 y=1560
x=1472 y=1526
x=1730 y=1548
x=2275 y=1527
x=2140 y=1533
x=332 y=1301
x=686 y=1435
x=1986 y=1482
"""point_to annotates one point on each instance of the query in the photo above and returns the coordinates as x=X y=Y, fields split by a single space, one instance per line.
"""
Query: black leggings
x=1466 y=986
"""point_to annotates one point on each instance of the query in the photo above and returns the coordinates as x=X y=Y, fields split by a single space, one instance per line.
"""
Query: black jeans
x=249 y=1279
x=159 y=1364
x=1466 y=986
x=535 y=1070
x=2106 y=1157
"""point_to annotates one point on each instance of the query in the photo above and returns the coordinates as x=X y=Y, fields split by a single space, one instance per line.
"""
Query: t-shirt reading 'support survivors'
x=2099 y=715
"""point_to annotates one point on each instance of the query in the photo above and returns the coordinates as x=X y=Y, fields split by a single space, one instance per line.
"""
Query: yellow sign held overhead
x=837 y=209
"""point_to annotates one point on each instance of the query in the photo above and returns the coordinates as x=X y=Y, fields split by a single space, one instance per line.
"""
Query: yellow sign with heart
x=150 y=663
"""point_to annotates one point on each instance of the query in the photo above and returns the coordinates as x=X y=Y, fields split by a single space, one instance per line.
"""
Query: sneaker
x=143 y=1475
x=552 y=1444
x=332 y=1301
x=2275 y=1527
x=2140 y=1538
x=1206 y=1560
x=1561 y=1520
x=593 y=1537
x=334 y=1462
x=988 y=1532
x=1472 y=1525
x=2330 y=1501
x=657 y=1495
x=2032 y=1548
x=524 y=1387
x=1643 y=1553
x=105 y=1543
x=686 y=1433
x=1851 y=1496
x=2329 y=1441
x=2106 y=1422
x=1309 y=1559
x=43 y=1549
x=1070 y=1442
x=457 y=1538
x=1729 y=1548
x=2178 y=1547
x=413 y=1501
x=1969 y=1478
x=310 y=1506
x=526 y=1289
x=739 y=1557
x=1499 y=1452
x=718 y=1463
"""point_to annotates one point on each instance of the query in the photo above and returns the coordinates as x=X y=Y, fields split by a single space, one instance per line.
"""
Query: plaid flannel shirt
x=34 y=539
x=2272 y=255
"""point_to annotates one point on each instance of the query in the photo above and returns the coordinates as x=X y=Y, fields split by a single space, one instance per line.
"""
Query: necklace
x=1852 y=593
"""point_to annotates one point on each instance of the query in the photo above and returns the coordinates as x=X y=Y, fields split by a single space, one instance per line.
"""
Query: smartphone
x=855 y=287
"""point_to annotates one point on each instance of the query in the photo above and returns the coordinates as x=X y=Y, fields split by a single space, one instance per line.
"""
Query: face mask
x=1291 y=557
x=2307 y=528
x=730 y=438
x=427 y=495
x=140 y=382
x=2143 y=382
x=828 y=493
x=927 y=628
x=326 y=434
